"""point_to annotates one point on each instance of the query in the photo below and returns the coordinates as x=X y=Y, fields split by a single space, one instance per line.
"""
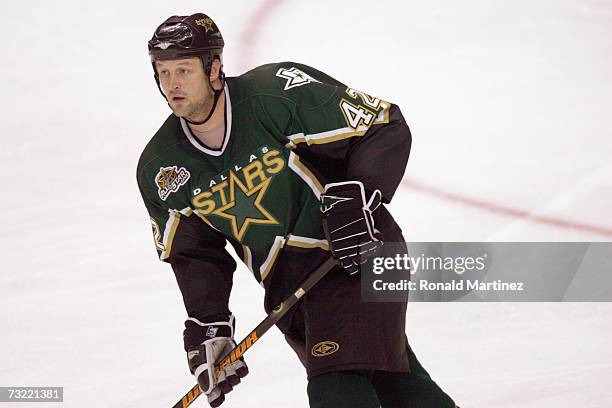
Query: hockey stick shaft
x=270 y=320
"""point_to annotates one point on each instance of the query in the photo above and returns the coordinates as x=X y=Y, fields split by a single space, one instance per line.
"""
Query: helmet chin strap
x=216 y=99
x=212 y=110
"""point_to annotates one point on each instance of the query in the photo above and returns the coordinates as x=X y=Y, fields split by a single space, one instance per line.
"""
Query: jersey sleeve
x=202 y=266
x=366 y=137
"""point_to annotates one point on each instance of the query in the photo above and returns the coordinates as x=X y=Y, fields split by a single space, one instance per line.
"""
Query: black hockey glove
x=348 y=223
x=206 y=343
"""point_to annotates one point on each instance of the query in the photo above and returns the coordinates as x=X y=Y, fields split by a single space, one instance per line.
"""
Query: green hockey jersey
x=290 y=129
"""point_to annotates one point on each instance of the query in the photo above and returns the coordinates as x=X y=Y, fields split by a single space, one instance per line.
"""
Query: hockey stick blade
x=270 y=320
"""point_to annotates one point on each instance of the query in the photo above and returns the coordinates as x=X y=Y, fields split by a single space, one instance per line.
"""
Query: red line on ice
x=248 y=41
x=508 y=211
x=249 y=37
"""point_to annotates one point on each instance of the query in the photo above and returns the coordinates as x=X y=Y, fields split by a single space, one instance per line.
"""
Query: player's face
x=186 y=87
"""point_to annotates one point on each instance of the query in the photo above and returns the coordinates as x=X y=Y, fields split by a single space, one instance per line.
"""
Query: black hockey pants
x=374 y=389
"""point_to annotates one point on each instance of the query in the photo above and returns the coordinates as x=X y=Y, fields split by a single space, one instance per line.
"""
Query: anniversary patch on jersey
x=237 y=194
x=170 y=179
x=294 y=77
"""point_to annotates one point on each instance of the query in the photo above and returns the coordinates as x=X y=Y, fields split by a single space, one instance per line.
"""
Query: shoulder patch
x=295 y=77
x=170 y=179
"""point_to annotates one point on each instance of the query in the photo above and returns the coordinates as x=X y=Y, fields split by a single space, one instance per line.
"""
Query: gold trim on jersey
x=203 y=218
x=266 y=266
x=330 y=136
x=326 y=137
x=291 y=240
x=383 y=115
x=305 y=242
x=174 y=218
x=247 y=257
x=305 y=174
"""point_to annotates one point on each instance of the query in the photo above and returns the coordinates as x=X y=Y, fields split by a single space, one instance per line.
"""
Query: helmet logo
x=163 y=45
x=206 y=23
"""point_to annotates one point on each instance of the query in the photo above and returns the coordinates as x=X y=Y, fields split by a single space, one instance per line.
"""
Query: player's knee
x=414 y=389
x=343 y=389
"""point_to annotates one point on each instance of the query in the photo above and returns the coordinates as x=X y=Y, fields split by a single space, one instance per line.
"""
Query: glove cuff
x=197 y=332
x=352 y=194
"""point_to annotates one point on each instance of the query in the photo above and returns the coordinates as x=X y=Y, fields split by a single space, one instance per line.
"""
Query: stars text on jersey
x=236 y=196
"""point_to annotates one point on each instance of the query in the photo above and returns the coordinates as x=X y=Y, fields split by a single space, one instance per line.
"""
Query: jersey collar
x=228 y=129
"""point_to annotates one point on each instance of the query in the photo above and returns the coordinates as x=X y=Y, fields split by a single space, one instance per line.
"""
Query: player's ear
x=215 y=69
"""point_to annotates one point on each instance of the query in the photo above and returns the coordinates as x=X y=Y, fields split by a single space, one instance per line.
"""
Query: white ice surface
x=509 y=103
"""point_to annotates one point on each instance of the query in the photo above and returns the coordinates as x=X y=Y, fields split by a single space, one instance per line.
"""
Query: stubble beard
x=197 y=110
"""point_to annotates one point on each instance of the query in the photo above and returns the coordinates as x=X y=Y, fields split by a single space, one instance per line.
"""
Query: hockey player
x=289 y=166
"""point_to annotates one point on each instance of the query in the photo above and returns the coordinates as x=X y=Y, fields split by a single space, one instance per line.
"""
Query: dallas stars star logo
x=244 y=207
x=206 y=23
x=294 y=77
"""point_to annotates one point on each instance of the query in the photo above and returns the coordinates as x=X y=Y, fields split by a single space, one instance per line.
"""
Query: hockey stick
x=278 y=312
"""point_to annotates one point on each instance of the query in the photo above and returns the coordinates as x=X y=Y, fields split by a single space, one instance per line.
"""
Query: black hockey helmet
x=179 y=37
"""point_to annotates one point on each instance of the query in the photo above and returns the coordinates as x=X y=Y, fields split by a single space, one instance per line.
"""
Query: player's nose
x=175 y=82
